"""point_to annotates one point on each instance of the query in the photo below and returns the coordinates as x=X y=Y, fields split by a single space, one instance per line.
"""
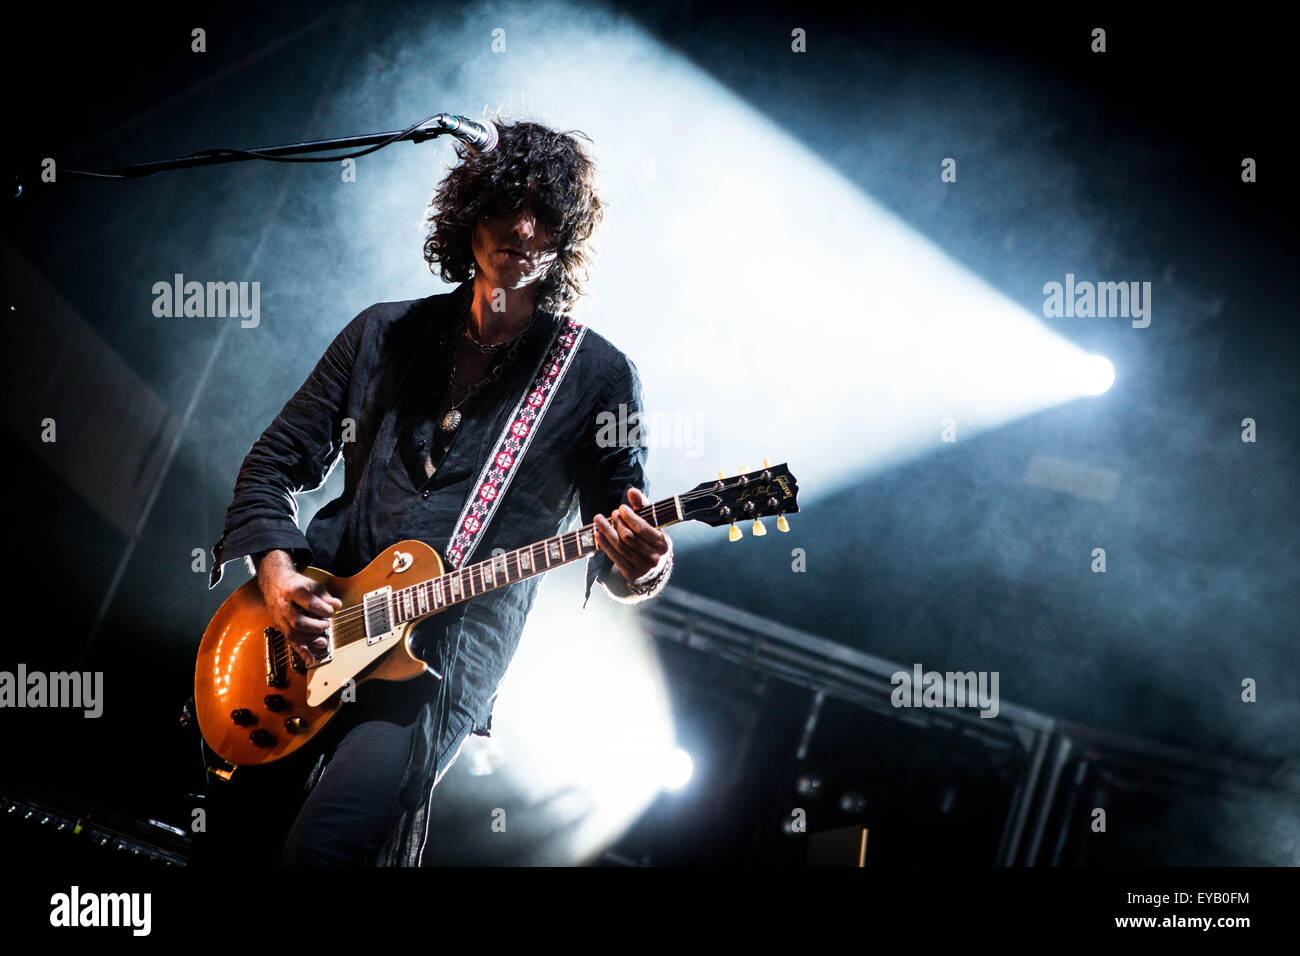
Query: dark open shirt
x=370 y=400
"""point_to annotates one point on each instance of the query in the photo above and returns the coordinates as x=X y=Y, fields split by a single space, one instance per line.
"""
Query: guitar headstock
x=771 y=490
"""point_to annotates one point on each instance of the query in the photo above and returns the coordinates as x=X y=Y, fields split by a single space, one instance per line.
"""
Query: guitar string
x=352 y=626
x=352 y=614
x=343 y=620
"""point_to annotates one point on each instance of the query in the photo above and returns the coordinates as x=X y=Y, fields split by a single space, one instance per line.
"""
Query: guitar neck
x=454 y=587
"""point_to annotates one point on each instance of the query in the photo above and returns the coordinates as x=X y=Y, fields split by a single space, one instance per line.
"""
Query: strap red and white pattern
x=506 y=457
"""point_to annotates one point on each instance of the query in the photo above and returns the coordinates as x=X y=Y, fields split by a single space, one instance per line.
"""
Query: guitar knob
x=275 y=702
x=758 y=530
x=261 y=737
x=782 y=524
x=293 y=724
x=735 y=533
x=243 y=716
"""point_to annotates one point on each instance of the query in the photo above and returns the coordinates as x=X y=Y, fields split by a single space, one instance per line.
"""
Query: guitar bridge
x=278 y=658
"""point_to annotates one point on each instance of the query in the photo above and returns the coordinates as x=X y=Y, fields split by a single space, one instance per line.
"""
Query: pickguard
x=348 y=661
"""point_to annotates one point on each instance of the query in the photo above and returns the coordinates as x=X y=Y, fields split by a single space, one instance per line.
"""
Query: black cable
x=223 y=151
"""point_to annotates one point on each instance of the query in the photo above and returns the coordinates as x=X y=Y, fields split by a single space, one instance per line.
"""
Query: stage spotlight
x=808 y=785
x=675 y=769
x=1096 y=374
x=853 y=802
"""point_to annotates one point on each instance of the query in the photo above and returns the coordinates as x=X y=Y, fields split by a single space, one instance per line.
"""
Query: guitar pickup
x=377 y=610
x=303 y=661
x=328 y=654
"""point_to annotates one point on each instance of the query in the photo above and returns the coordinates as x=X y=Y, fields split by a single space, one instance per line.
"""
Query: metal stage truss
x=1060 y=756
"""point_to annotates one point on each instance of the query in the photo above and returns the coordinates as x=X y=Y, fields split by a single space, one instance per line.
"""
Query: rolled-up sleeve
x=613 y=459
x=294 y=455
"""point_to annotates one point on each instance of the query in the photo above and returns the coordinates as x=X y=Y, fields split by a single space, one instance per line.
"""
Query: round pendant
x=451 y=421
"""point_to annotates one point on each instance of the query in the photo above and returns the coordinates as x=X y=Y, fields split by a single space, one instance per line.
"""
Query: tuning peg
x=743 y=469
x=721 y=476
x=765 y=464
x=735 y=533
x=758 y=530
x=782 y=524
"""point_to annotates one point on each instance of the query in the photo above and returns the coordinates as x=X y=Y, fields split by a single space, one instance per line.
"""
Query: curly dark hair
x=532 y=166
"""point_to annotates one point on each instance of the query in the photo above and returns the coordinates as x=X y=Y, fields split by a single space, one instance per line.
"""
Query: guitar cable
x=441 y=707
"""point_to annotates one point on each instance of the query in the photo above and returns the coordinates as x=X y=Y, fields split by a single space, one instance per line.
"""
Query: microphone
x=480 y=137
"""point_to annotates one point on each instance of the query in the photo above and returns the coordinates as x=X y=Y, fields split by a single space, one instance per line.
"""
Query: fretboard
x=500 y=570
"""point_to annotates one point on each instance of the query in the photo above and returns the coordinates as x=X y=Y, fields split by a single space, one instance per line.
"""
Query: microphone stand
x=426 y=130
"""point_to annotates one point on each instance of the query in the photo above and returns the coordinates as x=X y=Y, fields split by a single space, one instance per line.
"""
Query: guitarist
x=413 y=396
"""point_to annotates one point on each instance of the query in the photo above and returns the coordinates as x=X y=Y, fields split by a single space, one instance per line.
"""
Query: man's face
x=512 y=250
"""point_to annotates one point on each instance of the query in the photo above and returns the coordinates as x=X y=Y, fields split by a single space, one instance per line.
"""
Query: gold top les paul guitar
x=258 y=699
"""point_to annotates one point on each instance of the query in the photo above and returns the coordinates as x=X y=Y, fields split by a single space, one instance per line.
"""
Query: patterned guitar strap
x=513 y=444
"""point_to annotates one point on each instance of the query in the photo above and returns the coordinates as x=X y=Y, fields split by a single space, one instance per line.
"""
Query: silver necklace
x=491 y=349
x=451 y=421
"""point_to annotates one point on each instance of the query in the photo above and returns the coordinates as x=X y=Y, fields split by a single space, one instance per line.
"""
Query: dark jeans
x=261 y=816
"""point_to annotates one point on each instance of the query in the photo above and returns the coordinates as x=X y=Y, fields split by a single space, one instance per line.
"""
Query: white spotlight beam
x=773 y=309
